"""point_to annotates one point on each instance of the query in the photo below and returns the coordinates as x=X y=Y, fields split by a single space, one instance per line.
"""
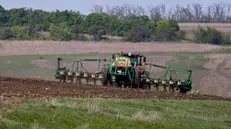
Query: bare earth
x=77 y=47
x=218 y=79
x=16 y=90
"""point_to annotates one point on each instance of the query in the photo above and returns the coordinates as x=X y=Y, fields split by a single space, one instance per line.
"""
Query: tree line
x=213 y=13
x=127 y=21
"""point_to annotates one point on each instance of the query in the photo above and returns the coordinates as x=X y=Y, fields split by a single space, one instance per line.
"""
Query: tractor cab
x=123 y=62
x=128 y=59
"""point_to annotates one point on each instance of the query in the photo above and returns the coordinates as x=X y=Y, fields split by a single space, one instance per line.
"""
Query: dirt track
x=13 y=90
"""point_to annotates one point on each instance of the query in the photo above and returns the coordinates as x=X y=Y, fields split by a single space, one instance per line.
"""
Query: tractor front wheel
x=106 y=77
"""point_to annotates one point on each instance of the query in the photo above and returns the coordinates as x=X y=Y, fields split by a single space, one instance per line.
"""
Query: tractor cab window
x=133 y=60
x=122 y=61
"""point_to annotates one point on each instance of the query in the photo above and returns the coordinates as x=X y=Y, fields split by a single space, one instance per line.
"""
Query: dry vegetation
x=213 y=25
x=188 y=27
x=76 y=47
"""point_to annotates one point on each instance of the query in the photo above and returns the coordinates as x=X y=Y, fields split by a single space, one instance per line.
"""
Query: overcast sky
x=84 y=5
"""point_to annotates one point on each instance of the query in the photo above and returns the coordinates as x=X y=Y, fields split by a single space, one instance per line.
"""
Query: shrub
x=166 y=30
x=180 y=34
x=5 y=33
x=138 y=34
x=211 y=35
x=19 y=33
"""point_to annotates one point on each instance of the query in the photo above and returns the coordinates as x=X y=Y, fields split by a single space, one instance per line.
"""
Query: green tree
x=17 y=17
x=60 y=32
x=162 y=31
x=3 y=16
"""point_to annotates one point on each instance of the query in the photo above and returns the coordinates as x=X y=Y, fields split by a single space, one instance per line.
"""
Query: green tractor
x=128 y=70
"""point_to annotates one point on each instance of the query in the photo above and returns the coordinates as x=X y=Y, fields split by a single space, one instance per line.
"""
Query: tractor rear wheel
x=137 y=81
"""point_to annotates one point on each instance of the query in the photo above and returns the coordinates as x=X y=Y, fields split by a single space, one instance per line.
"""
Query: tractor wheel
x=137 y=81
x=126 y=85
x=119 y=84
x=105 y=78
x=184 y=89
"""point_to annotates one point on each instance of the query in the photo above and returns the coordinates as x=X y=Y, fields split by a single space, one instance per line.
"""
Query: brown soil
x=217 y=81
x=16 y=90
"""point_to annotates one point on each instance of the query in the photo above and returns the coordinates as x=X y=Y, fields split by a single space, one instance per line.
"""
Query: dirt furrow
x=16 y=89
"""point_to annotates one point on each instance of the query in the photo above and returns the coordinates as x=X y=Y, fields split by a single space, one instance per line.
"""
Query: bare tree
x=140 y=11
x=97 y=9
x=109 y=10
x=218 y=10
x=118 y=11
x=197 y=12
x=157 y=12
x=125 y=10
x=133 y=10
x=209 y=14
x=170 y=14
x=228 y=10
x=183 y=14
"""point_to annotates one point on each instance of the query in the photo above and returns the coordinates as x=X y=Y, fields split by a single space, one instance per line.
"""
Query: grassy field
x=117 y=114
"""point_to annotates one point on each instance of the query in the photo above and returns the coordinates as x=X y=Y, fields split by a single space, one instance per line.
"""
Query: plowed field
x=14 y=90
